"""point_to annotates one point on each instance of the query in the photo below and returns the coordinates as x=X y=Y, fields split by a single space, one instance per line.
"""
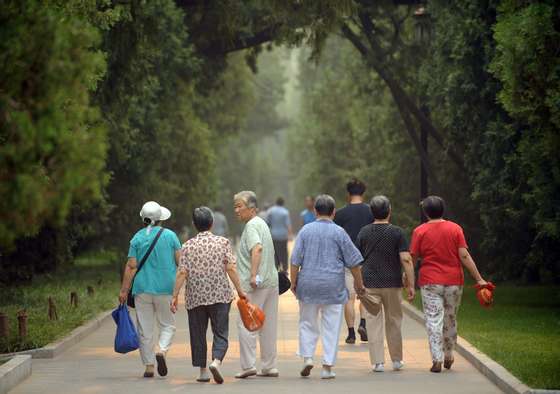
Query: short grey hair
x=380 y=207
x=248 y=197
x=324 y=205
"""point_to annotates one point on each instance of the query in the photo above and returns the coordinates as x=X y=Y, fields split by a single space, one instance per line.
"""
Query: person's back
x=157 y=276
x=380 y=244
x=326 y=251
x=220 y=226
x=438 y=244
x=353 y=217
x=278 y=219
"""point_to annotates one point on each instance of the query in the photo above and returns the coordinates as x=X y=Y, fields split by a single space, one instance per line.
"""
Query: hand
x=253 y=281
x=360 y=289
x=123 y=295
x=410 y=293
x=174 y=302
x=241 y=294
x=481 y=282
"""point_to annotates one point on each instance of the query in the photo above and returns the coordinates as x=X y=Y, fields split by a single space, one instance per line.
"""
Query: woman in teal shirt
x=153 y=285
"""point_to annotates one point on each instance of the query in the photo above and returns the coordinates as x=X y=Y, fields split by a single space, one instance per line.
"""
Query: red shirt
x=438 y=244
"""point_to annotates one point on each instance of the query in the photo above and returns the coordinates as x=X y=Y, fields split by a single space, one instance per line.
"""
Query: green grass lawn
x=521 y=331
x=96 y=270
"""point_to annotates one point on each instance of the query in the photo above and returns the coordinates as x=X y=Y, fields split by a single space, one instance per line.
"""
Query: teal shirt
x=157 y=276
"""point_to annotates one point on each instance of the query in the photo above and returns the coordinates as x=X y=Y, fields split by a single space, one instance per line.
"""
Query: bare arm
x=358 y=280
x=256 y=254
x=294 y=272
x=408 y=267
x=232 y=273
x=180 y=278
x=177 y=257
x=470 y=265
x=129 y=272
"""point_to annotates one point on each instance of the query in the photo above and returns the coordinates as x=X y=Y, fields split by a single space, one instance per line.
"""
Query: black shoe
x=161 y=364
x=350 y=339
x=363 y=333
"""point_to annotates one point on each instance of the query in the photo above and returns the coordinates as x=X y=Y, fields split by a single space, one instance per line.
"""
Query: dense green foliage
x=52 y=151
x=107 y=104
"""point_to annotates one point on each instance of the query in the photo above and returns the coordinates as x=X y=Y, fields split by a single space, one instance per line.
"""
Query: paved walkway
x=93 y=367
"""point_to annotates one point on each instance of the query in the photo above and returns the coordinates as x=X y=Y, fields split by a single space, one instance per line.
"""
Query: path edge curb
x=14 y=372
x=484 y=364
x=76 y=335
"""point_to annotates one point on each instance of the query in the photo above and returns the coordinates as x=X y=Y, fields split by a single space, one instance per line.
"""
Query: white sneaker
x=307 y=366
x=246 y=373
x=269 y=373
x=215 y=370
x=398 y=365
x=327 y=373
x=203 y=377
x=380 y=367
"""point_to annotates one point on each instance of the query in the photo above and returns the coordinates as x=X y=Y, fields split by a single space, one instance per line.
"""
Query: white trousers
x=310 y=329
x=267 y=300
x=149 y=308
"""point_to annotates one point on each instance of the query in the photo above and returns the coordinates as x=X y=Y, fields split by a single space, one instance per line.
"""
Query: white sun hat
x=153 y=211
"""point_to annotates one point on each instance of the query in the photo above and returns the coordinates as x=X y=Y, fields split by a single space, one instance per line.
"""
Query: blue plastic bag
x=126 y=338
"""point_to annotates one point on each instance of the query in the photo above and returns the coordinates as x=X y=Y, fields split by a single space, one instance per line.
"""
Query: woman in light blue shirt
x=321 y=253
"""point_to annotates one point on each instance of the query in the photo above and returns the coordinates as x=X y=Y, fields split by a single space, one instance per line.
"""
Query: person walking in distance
x=308 y=214
x=259 y=279
x=220 y=224
x=153 y=284
x=352 y=218
x=385 y=251
x=206 y=263
x=278 y=219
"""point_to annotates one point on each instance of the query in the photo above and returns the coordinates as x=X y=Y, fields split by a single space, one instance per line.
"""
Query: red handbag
x=485 y=294
x=251 y=315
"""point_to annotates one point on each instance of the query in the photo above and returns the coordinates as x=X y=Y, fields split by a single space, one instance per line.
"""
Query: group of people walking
x=331 y=253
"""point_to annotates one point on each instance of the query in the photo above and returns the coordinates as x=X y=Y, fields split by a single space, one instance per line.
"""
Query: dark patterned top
x=380 y=244
x=204 y=258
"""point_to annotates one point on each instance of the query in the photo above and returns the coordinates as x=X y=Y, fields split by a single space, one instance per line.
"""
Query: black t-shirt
x=380 y=245
x=353 y=217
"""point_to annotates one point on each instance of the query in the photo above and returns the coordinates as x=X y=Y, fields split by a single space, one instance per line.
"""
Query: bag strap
x=146 y=255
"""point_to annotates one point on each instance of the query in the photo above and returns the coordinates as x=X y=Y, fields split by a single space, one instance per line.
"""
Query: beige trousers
x=267 y=300
x=388 y=320
x=152 y=309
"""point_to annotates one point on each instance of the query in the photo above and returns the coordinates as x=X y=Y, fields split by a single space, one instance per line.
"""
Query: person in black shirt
x=385 y=251
x=352 y=218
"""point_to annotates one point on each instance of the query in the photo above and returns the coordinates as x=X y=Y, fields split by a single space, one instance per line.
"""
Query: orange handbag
x=251 y=315
x=485 y=294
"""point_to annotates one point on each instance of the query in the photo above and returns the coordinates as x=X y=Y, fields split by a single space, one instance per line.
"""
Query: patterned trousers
x=441 y=304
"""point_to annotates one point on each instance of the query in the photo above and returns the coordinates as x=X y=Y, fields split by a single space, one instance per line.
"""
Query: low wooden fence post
x=22 y=324
x=53 y=315
x=74 y=299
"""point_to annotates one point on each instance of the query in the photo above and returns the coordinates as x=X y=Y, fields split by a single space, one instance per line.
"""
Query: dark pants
x=198 y=324
x=281 y=254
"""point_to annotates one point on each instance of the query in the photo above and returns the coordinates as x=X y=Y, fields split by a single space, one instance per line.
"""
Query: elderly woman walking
x=442 y=247
x=152 y=260
x=321 y=253
x=206 y=262
x=259 y=278
x=385 y=251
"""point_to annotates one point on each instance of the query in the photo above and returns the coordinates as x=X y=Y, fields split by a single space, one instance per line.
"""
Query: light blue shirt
x=278 y=219
x=307 y=216
x=322 y=251
x=157 y=276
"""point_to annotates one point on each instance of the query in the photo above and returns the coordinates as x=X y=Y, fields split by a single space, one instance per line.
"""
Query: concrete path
x=93 y=367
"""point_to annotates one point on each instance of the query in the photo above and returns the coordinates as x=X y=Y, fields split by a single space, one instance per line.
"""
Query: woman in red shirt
x=442 y=247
